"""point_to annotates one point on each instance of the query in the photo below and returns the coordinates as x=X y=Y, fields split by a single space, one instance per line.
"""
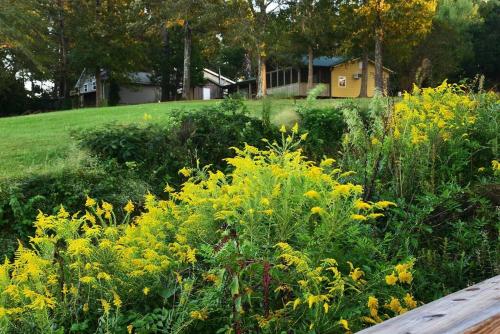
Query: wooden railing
x=475 y=309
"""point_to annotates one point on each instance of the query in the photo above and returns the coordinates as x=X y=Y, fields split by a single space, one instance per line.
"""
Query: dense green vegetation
x=173 y=238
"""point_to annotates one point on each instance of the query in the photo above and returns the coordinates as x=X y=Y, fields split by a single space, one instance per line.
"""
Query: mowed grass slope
x=42 y=142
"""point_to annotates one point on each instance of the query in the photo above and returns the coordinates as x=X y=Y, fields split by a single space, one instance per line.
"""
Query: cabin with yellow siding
x=346 y=79
x=340 y=76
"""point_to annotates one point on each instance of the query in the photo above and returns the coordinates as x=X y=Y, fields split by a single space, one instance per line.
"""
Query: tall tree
x=106 y=38
x=249 y=23
x=402 y=22
x=310 y=35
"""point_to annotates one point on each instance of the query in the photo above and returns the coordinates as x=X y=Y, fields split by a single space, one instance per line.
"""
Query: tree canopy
x=424 y=41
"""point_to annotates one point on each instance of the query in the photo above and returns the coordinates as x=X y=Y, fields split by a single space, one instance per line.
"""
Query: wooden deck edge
x=475 y=309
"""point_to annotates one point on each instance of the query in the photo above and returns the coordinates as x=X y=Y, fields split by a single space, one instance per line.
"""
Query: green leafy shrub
x=325 y=127
x=22 y=199
x=156 y=153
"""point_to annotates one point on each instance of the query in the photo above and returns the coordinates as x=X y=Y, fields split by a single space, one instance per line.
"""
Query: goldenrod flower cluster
x=277 y=222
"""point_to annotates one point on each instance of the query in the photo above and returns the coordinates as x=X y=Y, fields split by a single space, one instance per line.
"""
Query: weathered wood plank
x=472 y=310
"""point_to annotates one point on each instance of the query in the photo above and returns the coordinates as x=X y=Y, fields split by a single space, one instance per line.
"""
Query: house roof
x=216 y=78
x=142 y=78
x=325 y=61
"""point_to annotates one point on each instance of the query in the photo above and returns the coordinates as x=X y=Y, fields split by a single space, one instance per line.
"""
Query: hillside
x=41 y=142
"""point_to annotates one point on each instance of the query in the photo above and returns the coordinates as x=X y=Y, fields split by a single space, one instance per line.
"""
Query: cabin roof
x=324 y=61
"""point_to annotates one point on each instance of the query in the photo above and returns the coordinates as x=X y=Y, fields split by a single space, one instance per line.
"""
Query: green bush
x=156 y=153
x=22 y=199
x=325 y=127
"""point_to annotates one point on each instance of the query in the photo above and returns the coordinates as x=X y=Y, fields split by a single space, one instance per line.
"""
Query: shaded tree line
x=52 y=41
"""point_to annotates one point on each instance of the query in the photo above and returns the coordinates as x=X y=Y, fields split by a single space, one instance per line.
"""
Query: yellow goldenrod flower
x=99 y=211
x=405 y=277
x=129 y=207
x=316 y=210
x=117 y=300
x=199 y=315
x=391 y=279
x=79 y=246
x=107 y=206
x=345 y=324
x=375 y=141
x=358 y=217
x=145 y=291
x=85 y=307
x=495 y=164
x=327 y=162
x=90 y=202
x=304 y=136
x=296 y=303
x=362 y=205
x=326 y=307
x=283 y=129
x=104 y=276
x=105 y=306
x=356 y=274
x=130 y=328
x=372 y=302
x=312 y=194
x=384 y=204
x=403 y=267
x=311 y=300
x=265 y=202
x=169 y=189
x=409 y=301
x=87 y=279
x=394 y=305
x=295 y=128
x=185 y=172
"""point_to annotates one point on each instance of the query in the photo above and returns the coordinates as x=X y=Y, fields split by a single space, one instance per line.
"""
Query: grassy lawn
x=42 y=142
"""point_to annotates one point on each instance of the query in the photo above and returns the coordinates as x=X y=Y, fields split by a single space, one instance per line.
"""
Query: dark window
x=268 y=79
x=287 y=76
x=281 y=77
x=295 y=75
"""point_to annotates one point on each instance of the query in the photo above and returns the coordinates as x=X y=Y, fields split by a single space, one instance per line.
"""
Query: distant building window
x=342 y=81
x=287 y=77
x=94 y=86
x=85 y=88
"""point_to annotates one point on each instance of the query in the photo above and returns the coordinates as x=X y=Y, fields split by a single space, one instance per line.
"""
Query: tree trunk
x=98 y=88
x=379 y=78
x=310 y=68
x=63 y=85
x=364 y=75
x=248 y=66
x=186 y=79
x=165 y=68
x=261 y=78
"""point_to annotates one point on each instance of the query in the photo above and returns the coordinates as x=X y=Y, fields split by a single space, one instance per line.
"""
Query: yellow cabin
x=340 y=76
x=346 y=78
